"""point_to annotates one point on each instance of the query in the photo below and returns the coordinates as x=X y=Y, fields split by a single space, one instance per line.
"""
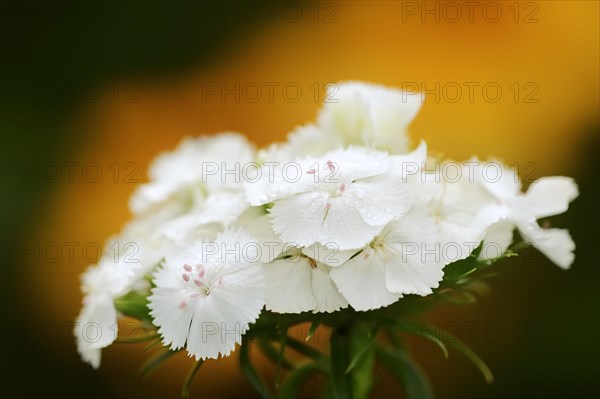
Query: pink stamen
x=327 y=205
x=182 y=305
x=185 y=277
x=198 y=283
x=195 y=295
x=331 y=166
x=342 y=188
x=187 y=267
x=201 y=273
x=311 y=171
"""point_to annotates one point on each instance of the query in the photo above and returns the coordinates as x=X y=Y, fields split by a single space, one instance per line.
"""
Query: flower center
x=197 y=283
x=338 y=192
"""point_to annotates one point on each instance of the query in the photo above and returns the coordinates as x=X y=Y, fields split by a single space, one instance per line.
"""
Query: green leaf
x=280 y=361
x=430 y=335
x=303 y=349
x=187 y=384
x=404 y=368
x=155 y=361
x=362 y=353
x=508 y=254
x=152 y=345
x=457 y=296
x=471 y=355
x=249 y=372
x=273 y=354
x=137 y=339
x=313 y=327
x=341 y=382
x=295 y=380
x=457 y=270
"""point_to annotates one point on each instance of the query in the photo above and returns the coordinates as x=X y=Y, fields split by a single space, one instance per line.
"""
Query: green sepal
x=134 y=304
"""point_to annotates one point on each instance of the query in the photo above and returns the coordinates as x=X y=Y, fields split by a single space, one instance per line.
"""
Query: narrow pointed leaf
x=404 y=368
x=471 y=355
x=137 y=339
x=295 y=380
x=273 y=354
x=430 y=335
x=189 y=379
x=360 y=356
x=313 y=327
x=154 y=362
x=304 y=349
x=250 y=373
x=152 y=345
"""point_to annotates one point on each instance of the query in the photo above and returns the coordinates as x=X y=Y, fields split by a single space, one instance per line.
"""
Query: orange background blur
x=549 y=49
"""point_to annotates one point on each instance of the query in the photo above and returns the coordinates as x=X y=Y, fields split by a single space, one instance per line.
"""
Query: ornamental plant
x=344 y=226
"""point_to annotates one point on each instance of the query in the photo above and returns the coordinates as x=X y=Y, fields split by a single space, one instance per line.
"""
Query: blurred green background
x=91 y=91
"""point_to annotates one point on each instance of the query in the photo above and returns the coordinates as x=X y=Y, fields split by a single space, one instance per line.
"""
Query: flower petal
x=408 y=164
x=413 y=262
x=328 y=253
x=556 y=244
x=97 y=323
x=362 y=282
x=369 y=114
x=378 y=199
x=498 y=238
x=257 y=223
x=289 y=285
x=550 y=196
x=326 y=293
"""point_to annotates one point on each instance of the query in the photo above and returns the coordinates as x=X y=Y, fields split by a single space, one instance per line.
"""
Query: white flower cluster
x=342 y=214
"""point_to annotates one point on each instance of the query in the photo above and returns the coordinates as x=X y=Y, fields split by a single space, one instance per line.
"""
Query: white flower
x=545 y=197
x=128 y=257
x=307 y=140
x=255 y=221
x=498 y=237
x=403 y=259
x=456 y=203
x=298 y=283
x=346 y=198
x=96 y=325
x=369 y=114
x=204 y=300
x=200 y=182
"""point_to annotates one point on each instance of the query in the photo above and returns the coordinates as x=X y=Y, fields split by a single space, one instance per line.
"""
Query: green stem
x=340 y=360
x=352 y=360
x=362 y=346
